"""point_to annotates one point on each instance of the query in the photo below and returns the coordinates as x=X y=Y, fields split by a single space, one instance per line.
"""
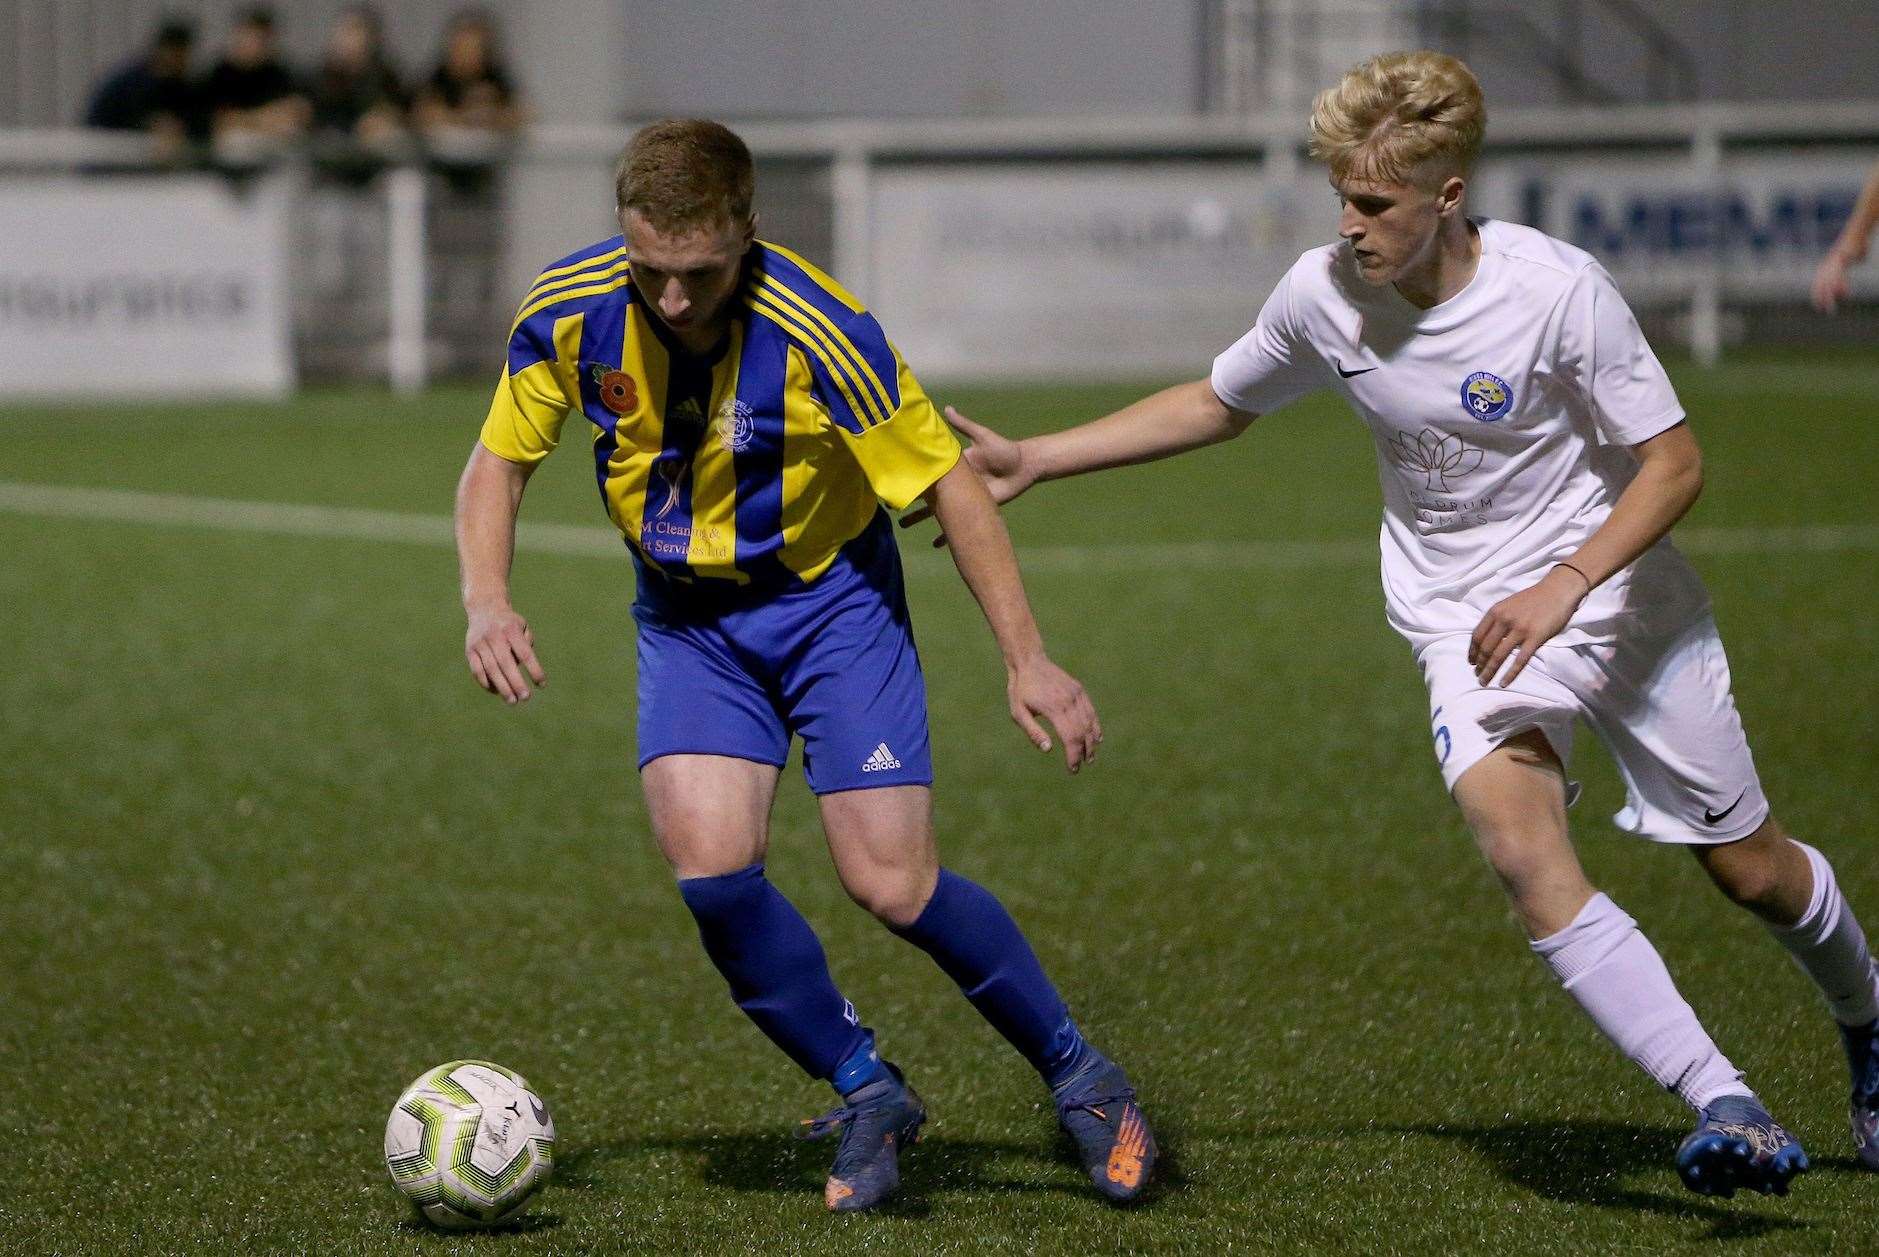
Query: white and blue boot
x=1862 y=1058
x=1737 y=1144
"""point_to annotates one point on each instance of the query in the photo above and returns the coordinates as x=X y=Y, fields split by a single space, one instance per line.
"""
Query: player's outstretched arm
x=1670 y=476
x=1173 y=421
x=498 y=645
x=1830 y=282
x=1037 y=689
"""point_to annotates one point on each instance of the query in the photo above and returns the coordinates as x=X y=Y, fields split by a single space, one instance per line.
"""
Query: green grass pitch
x=268 y=854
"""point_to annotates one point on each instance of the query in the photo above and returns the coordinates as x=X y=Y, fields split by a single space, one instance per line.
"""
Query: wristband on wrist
x=1576 y=572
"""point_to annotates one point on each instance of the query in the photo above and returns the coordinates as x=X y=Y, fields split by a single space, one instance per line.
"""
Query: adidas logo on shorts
x=880 y=761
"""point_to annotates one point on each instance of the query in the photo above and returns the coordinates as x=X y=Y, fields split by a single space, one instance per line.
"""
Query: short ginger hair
x=684 y=174
x=1403 y=117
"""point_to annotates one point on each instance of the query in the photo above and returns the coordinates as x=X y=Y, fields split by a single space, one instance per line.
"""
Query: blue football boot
x=1737 y=1144
x=876 y=1122
x=1862 y=1057
x=1096 y=1105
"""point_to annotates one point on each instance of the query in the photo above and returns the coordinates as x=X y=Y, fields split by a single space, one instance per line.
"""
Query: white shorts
x=1661 y=705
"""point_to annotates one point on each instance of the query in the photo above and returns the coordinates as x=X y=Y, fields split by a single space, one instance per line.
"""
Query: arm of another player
x=498 y=644
x=1669 y=479
x=1173 y=421
x=1036 y=688
x=1830 y=287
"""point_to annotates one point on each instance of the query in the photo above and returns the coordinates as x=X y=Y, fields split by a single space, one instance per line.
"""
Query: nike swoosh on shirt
x=1348 y=374
x=1715 y=818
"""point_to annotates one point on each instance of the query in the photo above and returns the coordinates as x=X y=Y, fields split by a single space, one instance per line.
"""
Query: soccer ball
x=468 y=1142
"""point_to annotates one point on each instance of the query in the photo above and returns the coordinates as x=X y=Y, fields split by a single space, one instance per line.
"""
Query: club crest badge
x=617 y=391
x=736 y=425
x=1486 y=396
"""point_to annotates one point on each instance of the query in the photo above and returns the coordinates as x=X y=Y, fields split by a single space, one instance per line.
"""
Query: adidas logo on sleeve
x=880 y=761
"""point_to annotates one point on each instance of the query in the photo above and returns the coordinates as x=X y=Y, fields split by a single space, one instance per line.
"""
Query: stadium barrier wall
x=143 y=286
x=1076 y=247
x=1076 y=269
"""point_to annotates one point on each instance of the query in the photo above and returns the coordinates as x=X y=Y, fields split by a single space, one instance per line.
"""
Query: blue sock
x=977 y=944
x=776 y=969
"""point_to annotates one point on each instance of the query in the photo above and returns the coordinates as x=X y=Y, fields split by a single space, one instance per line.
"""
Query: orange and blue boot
x=1096 y=1105
x=876 y=1122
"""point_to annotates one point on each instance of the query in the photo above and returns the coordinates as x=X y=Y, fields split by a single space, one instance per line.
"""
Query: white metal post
x=1706 y=298
x=853 y=233
x=407 y=281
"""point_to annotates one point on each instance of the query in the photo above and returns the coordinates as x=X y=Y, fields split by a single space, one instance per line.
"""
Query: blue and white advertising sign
x=1758 y=225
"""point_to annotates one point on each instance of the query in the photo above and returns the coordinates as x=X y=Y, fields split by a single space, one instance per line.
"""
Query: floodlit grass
x=269 y=854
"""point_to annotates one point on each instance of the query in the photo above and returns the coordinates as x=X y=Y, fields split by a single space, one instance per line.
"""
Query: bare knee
x=1514 y=800
x=709 y=814
x=882 y=843
x=1535 y=866
x=705 y=841
x=1519 y=854
x=1751 y=881
x=705 y=855
x=1764 y=872
x=893 y=895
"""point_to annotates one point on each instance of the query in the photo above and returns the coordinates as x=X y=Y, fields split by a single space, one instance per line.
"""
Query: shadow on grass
x=520 y=1224
x=1588 y=1163
x=774 y=1162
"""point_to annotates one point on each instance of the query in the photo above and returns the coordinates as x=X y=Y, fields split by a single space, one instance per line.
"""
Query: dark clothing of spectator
x=230 y=86
x=135 y=96
x=490 y=87
x=341 y=97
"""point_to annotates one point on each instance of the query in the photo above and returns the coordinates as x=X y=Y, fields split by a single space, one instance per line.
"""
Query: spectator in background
x=466 y=111
x=250 y=93
x=152 y=92
x=1830 y=286
x=357 y=93
x=470 y=89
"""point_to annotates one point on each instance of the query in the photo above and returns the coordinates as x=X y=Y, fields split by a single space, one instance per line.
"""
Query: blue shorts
x=739 y=672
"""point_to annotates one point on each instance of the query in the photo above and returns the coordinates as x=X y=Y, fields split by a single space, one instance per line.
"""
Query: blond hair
x=685 y=173
x=1403 y=117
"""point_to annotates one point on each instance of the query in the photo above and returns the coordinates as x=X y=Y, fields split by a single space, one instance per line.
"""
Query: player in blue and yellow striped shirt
x=750 y=419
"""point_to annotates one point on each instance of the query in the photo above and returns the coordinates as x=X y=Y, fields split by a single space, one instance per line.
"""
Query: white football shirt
x=1500 y=419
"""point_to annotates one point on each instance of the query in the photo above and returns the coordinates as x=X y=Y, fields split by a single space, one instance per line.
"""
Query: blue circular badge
x=1486 y=396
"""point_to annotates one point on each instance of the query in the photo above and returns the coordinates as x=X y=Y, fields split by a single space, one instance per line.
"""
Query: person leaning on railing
x=152 y=92
x=251 y=97
x=357 y=93
x=467 y=112
x=470 y=90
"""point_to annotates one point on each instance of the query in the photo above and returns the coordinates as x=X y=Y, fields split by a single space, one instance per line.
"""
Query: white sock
x=1612 y=970
x=1830 y=948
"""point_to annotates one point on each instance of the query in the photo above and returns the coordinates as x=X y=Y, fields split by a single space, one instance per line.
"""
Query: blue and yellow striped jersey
x=755 y=464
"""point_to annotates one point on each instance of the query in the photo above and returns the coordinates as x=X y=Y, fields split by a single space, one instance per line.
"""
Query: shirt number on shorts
x=1443 y=742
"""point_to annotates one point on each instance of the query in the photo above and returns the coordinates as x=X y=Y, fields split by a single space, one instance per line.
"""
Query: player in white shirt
x=1533 y=458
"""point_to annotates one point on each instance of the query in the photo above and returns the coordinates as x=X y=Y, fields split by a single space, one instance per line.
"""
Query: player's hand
x=999 y=460
x=500 y=650
x=1520 y=624
x=1830 y=286
x=1041 y=691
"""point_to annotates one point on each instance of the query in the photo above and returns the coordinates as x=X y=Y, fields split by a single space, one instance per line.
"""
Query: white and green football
x=468 y=1142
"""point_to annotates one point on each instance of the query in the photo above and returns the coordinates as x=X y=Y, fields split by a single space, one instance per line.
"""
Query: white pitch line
x=353 y=524
x=283 y=518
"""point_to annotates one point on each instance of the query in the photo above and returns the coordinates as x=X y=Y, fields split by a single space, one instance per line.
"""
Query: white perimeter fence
x=1022 y=248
